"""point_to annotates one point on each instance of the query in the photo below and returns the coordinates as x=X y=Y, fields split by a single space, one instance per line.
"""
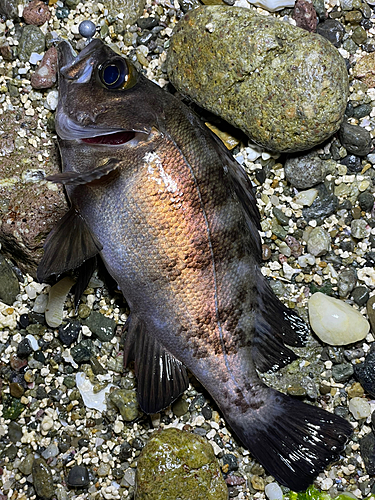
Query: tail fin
x=294 y=441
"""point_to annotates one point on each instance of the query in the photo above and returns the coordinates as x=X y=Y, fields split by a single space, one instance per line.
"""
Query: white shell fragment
x=56 y=301
x=335 y=322
x=273 y=5
x=306 y=197
x=92 y=400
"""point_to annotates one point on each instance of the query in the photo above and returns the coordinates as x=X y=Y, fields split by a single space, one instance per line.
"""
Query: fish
x=173 y=216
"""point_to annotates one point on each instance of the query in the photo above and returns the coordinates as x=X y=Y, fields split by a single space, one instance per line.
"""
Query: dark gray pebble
x=323 y=206
x=24 y=320
x=362 y=110
x=147 y=23
x=24 y=349
x=360 y=295
x=40 y=357
x=41 y=393
x=188 y=4
x=342 y=372
x=366 y=201
x=69 y=331
x=353 y=162
x=62 y=12
x=354 y=353
x=125 y=452
x=306 y=170
x=101 y=326
x=356 y=140
x=9 y=285
x=200 y=431
x=332 y=30
x=207 y=412
x=281 y=217
x=9 y=9
x=341 y=411
x=346 y=282
x=87 y=29
x=42 y=479
x=78 y=477
x=230 y=460
x=367 y=446
x=82 y=352
x=14 y=432
x=365 y=373
x=137 y=443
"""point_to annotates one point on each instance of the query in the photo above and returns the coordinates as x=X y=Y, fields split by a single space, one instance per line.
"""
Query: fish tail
x=294 y=441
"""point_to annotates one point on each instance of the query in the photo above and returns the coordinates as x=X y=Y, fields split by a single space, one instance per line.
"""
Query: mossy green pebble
x=285 y=87
x=178 y=464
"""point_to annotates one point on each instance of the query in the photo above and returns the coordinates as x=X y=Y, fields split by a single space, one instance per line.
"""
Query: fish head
x=102 y=95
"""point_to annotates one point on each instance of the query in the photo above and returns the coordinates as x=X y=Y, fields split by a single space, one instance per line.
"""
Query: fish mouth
x=113 y=139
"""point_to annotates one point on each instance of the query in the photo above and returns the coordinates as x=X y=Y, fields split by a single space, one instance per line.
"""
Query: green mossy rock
x=179 y=465
x=285 y=87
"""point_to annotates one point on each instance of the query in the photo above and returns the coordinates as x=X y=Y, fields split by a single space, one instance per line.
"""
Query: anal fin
x=275 y=326
x=69 y=244
x=161 y=377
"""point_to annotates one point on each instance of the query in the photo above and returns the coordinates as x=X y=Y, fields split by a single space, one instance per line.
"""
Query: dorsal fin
x=68 y=245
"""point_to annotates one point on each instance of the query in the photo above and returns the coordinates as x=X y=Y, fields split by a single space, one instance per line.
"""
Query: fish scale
x=174 y=219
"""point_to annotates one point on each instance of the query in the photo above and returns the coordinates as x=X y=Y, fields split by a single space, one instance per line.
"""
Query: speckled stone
x=131 y=9
x=319 y=242
x=304 y=15
x=42 y=479
x=177 y=464
x=364 y=69
x=358 y=228
x=367 y=446
x=126 y=402
x=332 y=30
x=101 y=326
x=305 y=171
x=36 y=12
x=45 y=75
x=356 y=140
x=346 y=282
x=267 y=59
x=9 y=285
x=32 y=40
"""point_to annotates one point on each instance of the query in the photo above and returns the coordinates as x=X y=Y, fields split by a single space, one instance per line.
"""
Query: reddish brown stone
x=36 y=12
x=29 y=207
x=234 y=480
x=46 y=74
x=304 y=15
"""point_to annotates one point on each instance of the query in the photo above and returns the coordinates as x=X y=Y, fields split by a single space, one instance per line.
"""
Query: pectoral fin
x=67 y=246
x=76 y=178
x=161 y=377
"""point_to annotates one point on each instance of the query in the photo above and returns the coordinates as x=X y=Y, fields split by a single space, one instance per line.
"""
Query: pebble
x=342 y=372
x=32 y=40
x=359 y=408
x=101 y=326
x=346 y=282
x=304 y=15
x=78 y=477
x=365 y=373
x=305 y=171
x=45 y=75
x=366 y=201
x=14 y=432
x=358 y=229
x=188 y=464
x=319 y=242
x=69 y=331
x=261 y=66
x=9 y=285
x=24 y=348
x=273 y=491
x=356 y=140
x=367 y=447
x=87 y=29
x=16 y=390
x=323 y=206
x=332 y=30
x=26 y=466
x=335 y=322
x=370 y=309
x=42 y=479
x=360 y=295
x=364 y=69
x=36 y=12
x=126 y=402
x=180 y=407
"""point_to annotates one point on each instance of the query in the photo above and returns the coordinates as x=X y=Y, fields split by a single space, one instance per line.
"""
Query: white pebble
x=326 y=484
x=273 y=5
x=306 y=259
x=306 y=197
x=35 y=57
x=33 y=342
x=335 y=322
x=31 y=292
x=359 y=408
x=273 y=491
x=51 y=100
x=47 y=423
x=56 y=301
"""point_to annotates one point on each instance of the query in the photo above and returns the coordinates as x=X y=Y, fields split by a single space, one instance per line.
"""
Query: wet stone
x=353 y=162
x=366 y=201
x=78 y=477
x=16 y=390
x=365 y=373
x=12 y=407
x=125 y=451
x=24 y=349
x=82 y=352
x=341 y=411
x=27 y=464
x=319 y=242
x=9 y=285
x=342 y=372
x=69 y=331
x=367 y=446
x=356 y=140
x=190 y=468
x=332 y=30
x=9 y=9
x=231 y=461
x=126 y=402
x=207 y=412
x=45 y=75
x=14 y=432
x=147 y=23
x=32 y=40
x=101 y=326
x=346 y=282
x=305 y=171
x=42 y=479
x=358 y=229
x=360 y=295
x=180 y=407
x=322 y=207
x=36 y=12
x=281 y=217
x=304 y=15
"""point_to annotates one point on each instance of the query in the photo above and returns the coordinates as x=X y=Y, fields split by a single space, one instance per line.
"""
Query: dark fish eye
x=114 y=74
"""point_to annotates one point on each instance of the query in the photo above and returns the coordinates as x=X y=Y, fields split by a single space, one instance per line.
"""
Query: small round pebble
x=273 y=491
x=42 y=479
x=359 y=408
x=366 y=201
x=360 y=295
x=356 y=140
x=358 y=229
x=69 y=331
x=78 y=477
x=319 y=242
x=87 y=29
x=36 y=13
